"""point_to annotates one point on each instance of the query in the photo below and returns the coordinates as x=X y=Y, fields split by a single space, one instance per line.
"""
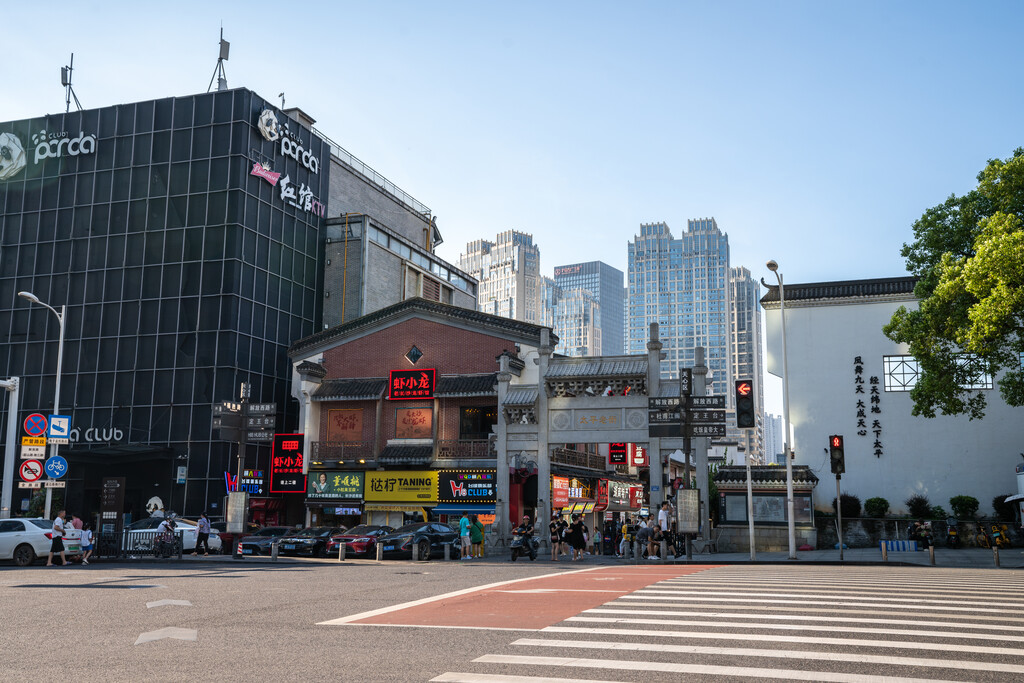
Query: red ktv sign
x=407 y=385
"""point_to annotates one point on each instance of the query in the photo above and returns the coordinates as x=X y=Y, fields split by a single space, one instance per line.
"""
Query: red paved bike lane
x=524 y=604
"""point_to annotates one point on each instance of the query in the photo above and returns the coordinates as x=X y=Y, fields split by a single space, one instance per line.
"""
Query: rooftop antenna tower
x=218 y=73
x=69 y=92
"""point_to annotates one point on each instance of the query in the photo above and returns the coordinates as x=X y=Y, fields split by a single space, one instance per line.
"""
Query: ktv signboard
x=466 y=486
x=286 y=464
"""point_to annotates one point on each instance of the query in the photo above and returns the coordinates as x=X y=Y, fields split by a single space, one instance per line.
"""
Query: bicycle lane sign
x=56 y=467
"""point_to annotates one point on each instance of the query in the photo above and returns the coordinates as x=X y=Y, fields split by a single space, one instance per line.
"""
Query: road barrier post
x=995 y=555
x=380 y=552
x=931 y=554
x=341 y=551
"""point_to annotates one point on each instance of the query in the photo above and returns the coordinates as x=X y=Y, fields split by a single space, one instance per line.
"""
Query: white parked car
x=142 y=533
x=24 y=539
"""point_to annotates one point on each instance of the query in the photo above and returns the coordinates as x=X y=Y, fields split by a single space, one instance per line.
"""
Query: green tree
x=968 y=254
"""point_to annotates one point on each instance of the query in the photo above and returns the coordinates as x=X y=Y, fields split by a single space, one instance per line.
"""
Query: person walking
x=476 y=536
x=57 y=543
x=203 y=539
x=665 y=517
x=86 y=542
x=555 y=530
x=576 y=538
x=464 y=538
x=597 y=541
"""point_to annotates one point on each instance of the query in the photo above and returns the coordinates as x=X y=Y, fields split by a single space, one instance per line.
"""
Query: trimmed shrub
x=964 y=507
x=876 y=507
x=1004 y=510
x=850 y=506
x=918 y=506
x=938 y=512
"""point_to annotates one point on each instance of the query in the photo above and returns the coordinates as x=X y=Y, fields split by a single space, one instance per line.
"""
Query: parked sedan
x=259 y=543
x=23 y=540
x=429 y=539
x=311 y=541
x=359 y=540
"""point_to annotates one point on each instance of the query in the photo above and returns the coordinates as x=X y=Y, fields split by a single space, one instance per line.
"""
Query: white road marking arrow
x=169 y=632
x=161 y=603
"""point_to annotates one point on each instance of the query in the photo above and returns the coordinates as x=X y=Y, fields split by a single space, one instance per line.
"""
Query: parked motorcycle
x=952 y=533
x=524 y=545
x=1000 y=536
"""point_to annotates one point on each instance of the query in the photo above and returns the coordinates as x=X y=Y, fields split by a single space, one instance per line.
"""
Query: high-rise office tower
x=549 y=293
x=577 y=323
x=508 y=271
x=773 y=440
x=747 y=361
x=605 y=286
x=683 y=285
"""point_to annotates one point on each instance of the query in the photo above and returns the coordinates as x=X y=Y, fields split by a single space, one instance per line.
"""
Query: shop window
x=768 y=508
x=475 y=422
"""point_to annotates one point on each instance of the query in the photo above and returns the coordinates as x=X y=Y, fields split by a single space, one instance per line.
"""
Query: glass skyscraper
x=605 y=286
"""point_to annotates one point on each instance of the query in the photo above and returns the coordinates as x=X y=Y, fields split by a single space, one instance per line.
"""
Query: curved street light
x=787 y=447
x=32 y=298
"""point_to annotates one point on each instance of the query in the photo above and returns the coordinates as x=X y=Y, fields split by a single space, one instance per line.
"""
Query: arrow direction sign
x=262 y=408
x=705 y=429
x=259 y=436
x=169 y=632
x=705 y=402
x=261 y=421
x=705 y=417
x=161 y=603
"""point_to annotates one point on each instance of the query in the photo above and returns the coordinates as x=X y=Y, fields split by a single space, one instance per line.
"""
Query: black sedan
x=312 y=541
x=259 y=543
x=430 y=538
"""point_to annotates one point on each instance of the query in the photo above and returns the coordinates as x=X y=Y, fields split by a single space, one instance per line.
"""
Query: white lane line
x=161 y=603
x=881 y=595
x=169 y=632
x=424 y=601
x=802 y=640
x=697 y=669
x=713 y=609
x=563 y=590
x=886 y=660
x=800 y=627
x=845 y=603
x=466 y=628
x=845 y=588
x=453 y=677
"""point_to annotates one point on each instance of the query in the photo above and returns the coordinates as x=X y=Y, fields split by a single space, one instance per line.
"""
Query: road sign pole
x=11 y=385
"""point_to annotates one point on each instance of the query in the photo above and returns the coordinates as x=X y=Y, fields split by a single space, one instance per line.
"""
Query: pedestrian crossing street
x=778 y=623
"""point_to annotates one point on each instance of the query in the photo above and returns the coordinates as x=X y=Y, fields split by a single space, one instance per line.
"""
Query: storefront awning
x=473 y=508
x=457 y=386
x=350 y=389
x=589 y=507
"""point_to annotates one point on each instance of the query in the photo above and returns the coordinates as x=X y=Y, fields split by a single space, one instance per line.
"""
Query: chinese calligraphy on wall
x=869 y=402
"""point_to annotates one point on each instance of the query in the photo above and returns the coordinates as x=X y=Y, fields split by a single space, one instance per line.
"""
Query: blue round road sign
x=56 y=467
x=35 y=424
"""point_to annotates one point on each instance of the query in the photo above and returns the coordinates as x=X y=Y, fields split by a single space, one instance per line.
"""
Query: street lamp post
x=32 y=298
x=787 y=450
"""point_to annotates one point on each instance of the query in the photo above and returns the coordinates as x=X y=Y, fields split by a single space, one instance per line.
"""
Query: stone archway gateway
x=545 y=402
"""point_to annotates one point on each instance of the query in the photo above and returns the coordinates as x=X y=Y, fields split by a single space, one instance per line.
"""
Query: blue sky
x=815 y=133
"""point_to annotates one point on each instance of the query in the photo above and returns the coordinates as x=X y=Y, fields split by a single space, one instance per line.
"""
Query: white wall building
x=846 y=377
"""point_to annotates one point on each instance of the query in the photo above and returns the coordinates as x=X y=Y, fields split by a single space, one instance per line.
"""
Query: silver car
x=25 y=539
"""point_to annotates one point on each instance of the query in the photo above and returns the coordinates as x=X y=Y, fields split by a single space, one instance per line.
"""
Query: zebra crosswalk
x=775 y=623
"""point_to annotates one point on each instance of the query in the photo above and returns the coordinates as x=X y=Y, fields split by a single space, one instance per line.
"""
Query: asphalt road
x=301 y=621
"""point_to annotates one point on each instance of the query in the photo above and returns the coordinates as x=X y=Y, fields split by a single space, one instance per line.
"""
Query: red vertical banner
x=286 y=464
x=559 y=492
x=637 y=455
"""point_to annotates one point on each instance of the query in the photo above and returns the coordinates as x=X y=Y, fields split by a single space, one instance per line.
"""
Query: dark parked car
x=359 y=540
x=311 y=541
x=430 y=539
x=259 y=542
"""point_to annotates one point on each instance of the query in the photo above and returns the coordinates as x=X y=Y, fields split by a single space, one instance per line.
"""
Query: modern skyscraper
x=773 y=441
x=747 y=361
x=683 y=285
x=508 y=271
x=549 y=294
x=577 y=323
x=605 y=286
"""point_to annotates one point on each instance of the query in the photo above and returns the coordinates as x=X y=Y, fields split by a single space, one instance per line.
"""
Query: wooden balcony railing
x=571 y=458
x=343 y=451
x=450 y=449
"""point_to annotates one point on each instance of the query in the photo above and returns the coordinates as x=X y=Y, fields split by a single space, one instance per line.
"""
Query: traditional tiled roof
x=842 y=289
x=521 y=397
x=635 y=366
x=406 y=455
x=763 y=474
x=350 y=389
x=467 y=385
x=311 y=369
x=485 y=321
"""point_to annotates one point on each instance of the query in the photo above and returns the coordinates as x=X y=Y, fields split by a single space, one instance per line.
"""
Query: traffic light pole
x=839 y=516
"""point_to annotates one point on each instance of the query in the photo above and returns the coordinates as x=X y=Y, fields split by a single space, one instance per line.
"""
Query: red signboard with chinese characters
x=286 y=464
x=637 y=455
x=636 y=497
x=414 y=423
x=345 y=424
x=559 y=492
x=617 y=454
x=405 y=385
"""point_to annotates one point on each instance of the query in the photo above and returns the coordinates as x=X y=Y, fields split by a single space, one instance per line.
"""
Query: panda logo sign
x=268 y=126
x=12 y=156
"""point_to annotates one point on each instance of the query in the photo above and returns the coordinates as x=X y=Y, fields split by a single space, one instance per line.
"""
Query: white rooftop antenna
x=69 y=92
x=218 y=73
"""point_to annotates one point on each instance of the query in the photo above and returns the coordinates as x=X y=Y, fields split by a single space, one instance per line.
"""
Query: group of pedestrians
x=471 y=535
x=568 y=538
x=60 y=529
x=650 y=534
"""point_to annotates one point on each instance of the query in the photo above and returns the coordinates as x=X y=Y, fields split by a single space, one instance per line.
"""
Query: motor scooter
x=1000 y=538
x=952 y=533
x=524 y=545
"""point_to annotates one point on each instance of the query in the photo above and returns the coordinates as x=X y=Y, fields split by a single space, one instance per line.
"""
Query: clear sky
x=815 y=133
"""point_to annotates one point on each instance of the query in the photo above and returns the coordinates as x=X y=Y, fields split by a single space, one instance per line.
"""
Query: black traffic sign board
x=697 y=430
x=705 y=402
x=261 y=421
x=260 y=435
x=227 y=421
x=261 y=408
x=705 y=416
x=685 y=381
x=664 y=403
x=665 y=430
x=664 y=417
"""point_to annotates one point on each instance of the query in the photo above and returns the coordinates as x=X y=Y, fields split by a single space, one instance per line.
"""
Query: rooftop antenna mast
x=69 y=92
x=218 y=73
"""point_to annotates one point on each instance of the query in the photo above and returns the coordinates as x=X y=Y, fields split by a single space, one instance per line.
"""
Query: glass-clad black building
x=183 y=235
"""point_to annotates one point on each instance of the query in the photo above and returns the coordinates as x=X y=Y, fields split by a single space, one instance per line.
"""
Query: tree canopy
x=968 y=254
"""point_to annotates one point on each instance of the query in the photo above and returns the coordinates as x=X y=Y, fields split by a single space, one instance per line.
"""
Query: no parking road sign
x=31 y=470
x=35 y=425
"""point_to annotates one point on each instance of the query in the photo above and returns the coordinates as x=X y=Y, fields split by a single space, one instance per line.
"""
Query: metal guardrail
x=151 y=544
x=376 y=178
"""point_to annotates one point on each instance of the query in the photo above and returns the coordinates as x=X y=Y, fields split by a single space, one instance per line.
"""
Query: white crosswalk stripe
x=782 y=623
